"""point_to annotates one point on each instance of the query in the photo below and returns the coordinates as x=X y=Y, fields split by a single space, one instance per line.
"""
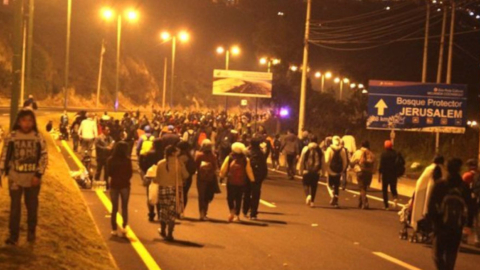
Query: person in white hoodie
x=335 y=164
x=310 y=166
x=88 y=133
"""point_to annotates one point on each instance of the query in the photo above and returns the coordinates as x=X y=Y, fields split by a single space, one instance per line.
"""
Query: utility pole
x=450 y=45
x=425 y=46
x=17 y=59
x=31 y=14
x=117 y=72
x=99 y=84
x=440 y=67
x=165 y=66
x=67 y=54
x=303 y=88
x=24 y=56
x=174 y=51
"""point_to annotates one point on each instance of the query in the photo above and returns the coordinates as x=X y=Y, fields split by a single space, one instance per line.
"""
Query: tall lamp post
x=234 y=50
x=341 y=82
x=132 y=16
x=67 y=54
x=269 y=62
x=183 y=36
x=323 y=76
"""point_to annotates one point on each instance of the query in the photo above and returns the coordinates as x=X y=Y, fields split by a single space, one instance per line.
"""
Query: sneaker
x=230 y=218
x=114 y=233
x=122 y=232
x=253 y=218
x=246 y=216
x=308 y=199
x=236 y=218
x=312 y=205
x=10 y=242
x=332 y=201
x=395 y=203
x=386 y=209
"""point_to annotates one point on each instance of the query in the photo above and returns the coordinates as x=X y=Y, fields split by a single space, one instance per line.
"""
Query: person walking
x=344 y=178
x=258 y=161
x=310 y=166
x=363 y=162
x=388 y=174
x=170 y=176
x=185 y=157
x=88 y=132
x=336 y=164
x=237 y=169
x=290 y=148
x=275 y=156
x=64 y=126
x=148 y=165
x=207 y=183
x=120 y=171
x=74 y=133
x=24 y=160
x=103 y=146
x=450 y=209
x=144 y=146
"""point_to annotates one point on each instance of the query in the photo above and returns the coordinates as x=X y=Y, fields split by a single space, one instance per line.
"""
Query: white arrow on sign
x=381 y=106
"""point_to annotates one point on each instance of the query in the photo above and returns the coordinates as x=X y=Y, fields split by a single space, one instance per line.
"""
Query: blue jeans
x=115 y=194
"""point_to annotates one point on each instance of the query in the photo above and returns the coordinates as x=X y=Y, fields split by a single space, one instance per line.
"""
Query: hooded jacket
x=329 y=156
x=318 y=163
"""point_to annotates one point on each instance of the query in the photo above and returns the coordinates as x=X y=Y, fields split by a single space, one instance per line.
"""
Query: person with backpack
x=310 y=166
x=207 y=184
x=336 y=164
x=238 y=170
x=363 y=162
x=185 y=156
x=120 y=172
x=290 y=148
x=344 y=177
x=275 y=156
x=389 y=172
x=472 y=179
x=144 y=145
x=190 y=136
x=24 y=160
x=258 y=161
x=450 y=209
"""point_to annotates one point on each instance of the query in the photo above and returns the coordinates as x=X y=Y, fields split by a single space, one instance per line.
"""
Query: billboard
x=242 y=83
x=412 y=106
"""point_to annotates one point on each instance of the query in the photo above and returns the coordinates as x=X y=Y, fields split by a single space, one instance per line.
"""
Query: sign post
x=421 y=107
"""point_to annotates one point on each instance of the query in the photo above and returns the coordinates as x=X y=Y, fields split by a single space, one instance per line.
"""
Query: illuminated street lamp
x=293 y=68
x=269 y=62
x=361 y=86
x=364 y=91
x=323 y=76
x=234 y=50
x=183 y=36
x=108 y=14
x=342 y=82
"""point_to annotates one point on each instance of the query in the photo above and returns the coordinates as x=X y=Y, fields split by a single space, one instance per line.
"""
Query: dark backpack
x=367 y=162
x=191 y=139
x=258 y=162
x=313 y=160
x=226 y=142
x=336 y=164
x=237 y=172
x=400 y=165
x=453 y=209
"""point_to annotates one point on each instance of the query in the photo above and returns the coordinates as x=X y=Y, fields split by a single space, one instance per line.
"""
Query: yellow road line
x=136 y=244
x=55 y=143
x=72 y=154
x=271 y=205
x=395 y=261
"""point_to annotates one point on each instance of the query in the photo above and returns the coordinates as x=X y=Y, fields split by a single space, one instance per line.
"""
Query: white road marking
x=5 y=114
x=348 y=190
x=395 y=261
x=271 y=205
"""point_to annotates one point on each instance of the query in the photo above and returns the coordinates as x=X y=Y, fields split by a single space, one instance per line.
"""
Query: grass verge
x=67 y=237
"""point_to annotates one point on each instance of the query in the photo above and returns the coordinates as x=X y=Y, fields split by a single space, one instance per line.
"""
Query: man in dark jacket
x=103 y=146
x=290 y=148
x=388 y=173
x=170 y=138
x=258 y=161
x=449 y=210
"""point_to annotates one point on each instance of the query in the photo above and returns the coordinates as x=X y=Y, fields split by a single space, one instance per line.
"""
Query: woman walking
x=207 y=184
x=185 y=157
x=120 y=172
x=151 y=159
x=238 y=171
x=170 y=176
x=24 y=160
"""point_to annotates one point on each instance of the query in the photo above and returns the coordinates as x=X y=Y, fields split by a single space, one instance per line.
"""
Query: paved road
x=287 y=236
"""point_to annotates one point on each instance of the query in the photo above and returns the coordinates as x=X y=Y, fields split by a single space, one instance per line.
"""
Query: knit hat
x=238 y=148
x=388 y=144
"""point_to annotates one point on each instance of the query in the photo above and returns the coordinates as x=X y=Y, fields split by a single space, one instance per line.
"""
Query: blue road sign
x=411 y=106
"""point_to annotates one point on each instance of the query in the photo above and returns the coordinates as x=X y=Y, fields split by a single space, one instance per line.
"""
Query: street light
x=183 y=36
x=361 y=86
x=269 y=62
x=234 y=50
x=342 y=82
x=132 y=16
x=318 y=74
x=293 y=68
